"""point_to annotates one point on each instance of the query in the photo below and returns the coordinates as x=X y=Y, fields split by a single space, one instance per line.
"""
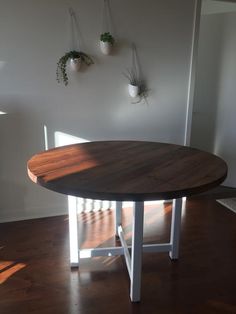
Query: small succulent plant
x=62 y=64
x=107 y=37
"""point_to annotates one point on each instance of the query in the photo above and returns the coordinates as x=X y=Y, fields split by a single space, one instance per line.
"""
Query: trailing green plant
x=107 y=37
x=61 y=72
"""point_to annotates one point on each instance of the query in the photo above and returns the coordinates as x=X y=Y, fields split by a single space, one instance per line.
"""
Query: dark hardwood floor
x=35 y=276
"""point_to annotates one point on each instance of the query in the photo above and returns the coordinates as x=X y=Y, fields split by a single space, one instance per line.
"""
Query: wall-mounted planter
x=106 y=47
x=133 y=90
x=137 y=87
x=73 y=59
x=75 y=64
x=106 y=43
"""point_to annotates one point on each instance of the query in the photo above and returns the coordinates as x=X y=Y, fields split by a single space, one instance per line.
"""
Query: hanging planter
x=75 y=64
x=76 y=58
x=136 y=86
x=133 y=90
x=106 y=38
x=133 y=86
x=106 y=43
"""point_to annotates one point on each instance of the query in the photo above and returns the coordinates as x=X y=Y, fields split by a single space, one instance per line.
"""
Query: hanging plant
x=134 y=82
x=75 y=58
x=106 y=42
x=136 y=87
x=106 y=38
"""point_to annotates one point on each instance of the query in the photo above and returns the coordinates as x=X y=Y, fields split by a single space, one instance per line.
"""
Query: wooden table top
x=127 y=170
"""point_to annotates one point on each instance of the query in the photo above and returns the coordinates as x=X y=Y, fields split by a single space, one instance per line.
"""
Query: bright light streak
x=62 y=139
x=86 y=253
x=10 y=269
x=45 y=131
x=73 y=231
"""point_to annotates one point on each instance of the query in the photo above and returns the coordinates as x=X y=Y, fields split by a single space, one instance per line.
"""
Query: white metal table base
x=133 y=260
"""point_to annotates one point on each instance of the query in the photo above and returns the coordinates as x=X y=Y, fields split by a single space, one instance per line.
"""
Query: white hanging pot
x=133 y=90
x=106 y=47
x=75 y=64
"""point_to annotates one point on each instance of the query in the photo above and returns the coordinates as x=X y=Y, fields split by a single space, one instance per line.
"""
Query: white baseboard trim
x=32 y=216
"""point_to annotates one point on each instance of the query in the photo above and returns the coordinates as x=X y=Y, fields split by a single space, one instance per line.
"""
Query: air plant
x=137 y=87
x=132 y=76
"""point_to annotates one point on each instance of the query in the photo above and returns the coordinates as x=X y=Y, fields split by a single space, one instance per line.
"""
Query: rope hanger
x=134 y=59
x=106 y=17
x=74 y=31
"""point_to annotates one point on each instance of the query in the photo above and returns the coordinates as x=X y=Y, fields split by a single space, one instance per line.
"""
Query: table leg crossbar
x=95 y=252
x=134 y=260
x=126 y=252
x=119 y=250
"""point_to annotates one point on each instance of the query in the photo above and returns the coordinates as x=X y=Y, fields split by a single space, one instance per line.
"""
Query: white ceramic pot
x=106 y=47
x=133 y=90
x=75 y=64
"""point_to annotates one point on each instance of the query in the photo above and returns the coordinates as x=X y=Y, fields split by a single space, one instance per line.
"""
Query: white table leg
x=73 y=231
x=118 y=217
x=175 y=228
x=136 y=255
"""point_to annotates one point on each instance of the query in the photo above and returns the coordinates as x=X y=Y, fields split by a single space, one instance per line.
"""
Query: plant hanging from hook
x=106 y=38
x=75 y=57
x=137 y=88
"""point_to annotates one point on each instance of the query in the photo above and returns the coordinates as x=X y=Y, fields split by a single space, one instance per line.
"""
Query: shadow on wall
x=207 y=82
x=12 y=193
x=15 y=141
x=21 y=136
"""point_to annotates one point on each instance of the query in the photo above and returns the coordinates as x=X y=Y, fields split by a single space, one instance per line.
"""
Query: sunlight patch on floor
x=9 y=268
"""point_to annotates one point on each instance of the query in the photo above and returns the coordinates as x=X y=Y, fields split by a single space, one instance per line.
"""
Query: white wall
x=225 y=136
x=207 y=82
x=95 y=105
x=213 y=125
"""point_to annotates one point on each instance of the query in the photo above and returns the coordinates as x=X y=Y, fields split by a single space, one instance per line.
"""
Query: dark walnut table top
x=127 y=170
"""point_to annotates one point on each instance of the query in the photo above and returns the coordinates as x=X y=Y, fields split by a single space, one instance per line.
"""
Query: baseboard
x=32 y=216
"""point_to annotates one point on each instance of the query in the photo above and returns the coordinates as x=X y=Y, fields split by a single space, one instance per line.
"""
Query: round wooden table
x=128 y=171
